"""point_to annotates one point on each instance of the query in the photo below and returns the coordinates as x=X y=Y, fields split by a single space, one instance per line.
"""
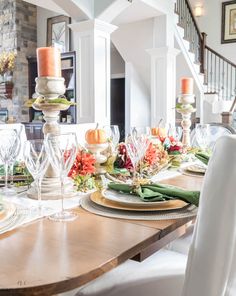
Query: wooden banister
x=219 y=72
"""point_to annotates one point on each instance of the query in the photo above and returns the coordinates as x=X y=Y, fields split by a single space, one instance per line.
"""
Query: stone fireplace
x=18 y=32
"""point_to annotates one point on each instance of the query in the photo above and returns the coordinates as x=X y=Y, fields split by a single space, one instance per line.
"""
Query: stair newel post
x=203 y=56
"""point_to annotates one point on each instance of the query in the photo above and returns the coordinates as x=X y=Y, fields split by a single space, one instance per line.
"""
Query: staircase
x=213 y=72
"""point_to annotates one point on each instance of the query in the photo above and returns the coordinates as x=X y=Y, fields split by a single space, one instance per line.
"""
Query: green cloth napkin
x=158 y=192
x=203 y=157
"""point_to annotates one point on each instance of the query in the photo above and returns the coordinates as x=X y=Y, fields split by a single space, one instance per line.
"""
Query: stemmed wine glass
x=202 y=132
x=113 y=135
x=62 y=152
x=136 y=144
x=141 y=138
x=36 y=161
x=11 y=190
x=8 y=148
x=175 y=132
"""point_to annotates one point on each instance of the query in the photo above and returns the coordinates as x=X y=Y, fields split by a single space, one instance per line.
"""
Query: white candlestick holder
x=51 y=88
x=186 y=109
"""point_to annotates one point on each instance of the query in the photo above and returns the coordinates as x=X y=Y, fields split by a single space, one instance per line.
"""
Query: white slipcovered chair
x=211 y=268
x=217 y=130
x=20 y=128
x=80 y=130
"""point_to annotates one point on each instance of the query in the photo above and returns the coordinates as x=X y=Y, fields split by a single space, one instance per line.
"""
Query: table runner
x=26 y=209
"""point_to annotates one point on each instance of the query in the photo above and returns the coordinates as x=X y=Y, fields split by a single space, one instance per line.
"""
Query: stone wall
x=18 y=23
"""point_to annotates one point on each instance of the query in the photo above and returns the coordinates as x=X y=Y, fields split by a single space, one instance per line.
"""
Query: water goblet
x=62 y=151
x=113 y=135
x=141 y=138
x=202 y=132
x=136 y=146
x=12 y=191
x=175 y=132
x=8 y=148
x=36 y=161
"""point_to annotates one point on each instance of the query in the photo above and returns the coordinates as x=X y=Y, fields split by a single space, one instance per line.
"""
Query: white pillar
x=163 y=71
x=92 y=45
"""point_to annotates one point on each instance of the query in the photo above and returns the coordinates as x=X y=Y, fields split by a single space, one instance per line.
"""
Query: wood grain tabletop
x=47 y=257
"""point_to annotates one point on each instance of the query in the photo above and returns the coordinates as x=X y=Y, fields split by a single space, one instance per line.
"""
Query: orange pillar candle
x=49 y=62
x=187 y=85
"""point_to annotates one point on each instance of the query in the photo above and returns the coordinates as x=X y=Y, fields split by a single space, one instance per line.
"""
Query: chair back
x=79 y=129
x=20 y=128
x=211 y=268
x=217 y=130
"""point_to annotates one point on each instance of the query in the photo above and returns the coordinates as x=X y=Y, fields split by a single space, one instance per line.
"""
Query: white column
x=163 y=71
x=92 y=45
x=163 y=84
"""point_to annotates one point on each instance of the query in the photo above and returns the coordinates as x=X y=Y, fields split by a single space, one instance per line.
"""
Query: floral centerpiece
x=7 y=63
x=82 y=171
x=156 y=157
x=174 y=149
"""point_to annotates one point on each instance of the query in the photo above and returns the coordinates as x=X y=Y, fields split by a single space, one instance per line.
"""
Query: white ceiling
x=136 y=12
x=47 y=4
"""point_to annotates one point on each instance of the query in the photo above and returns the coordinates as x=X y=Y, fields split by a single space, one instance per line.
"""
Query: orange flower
x=83 y=164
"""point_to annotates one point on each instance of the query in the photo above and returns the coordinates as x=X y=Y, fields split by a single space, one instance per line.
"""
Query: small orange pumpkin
x=159 y=132
x=96 y=136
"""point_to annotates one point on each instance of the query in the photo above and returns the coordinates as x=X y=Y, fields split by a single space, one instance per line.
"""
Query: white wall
x=137 y=100
x=117 y=63
x=210 y=23
x=132 y=40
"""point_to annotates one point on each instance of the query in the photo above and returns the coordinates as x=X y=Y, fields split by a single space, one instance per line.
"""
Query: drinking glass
x=36 y=161
x=136 y=144
x=62 y=152
x=133 y=153
x=8 y=148
x=175 y=132
x=141 y=138
x=11 y=190
x=202 y=132
x=113 y=135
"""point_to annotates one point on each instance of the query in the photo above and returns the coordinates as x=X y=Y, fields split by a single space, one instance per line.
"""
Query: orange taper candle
x=49 y=62
x=187 y=85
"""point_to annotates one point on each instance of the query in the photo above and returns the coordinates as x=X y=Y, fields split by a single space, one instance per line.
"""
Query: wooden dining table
x=46 y=257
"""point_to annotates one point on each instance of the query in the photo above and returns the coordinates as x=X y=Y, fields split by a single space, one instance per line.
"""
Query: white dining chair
x=211 y=268
x=217 y=130
x=20 y=128
x=80 y=130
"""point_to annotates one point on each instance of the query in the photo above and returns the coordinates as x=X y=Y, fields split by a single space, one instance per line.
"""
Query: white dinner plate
x=128 y=199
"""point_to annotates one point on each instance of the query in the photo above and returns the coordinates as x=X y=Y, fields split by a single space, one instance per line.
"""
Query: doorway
x=118 y=105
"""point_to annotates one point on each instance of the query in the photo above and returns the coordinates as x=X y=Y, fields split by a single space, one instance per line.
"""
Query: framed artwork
x=58 y=33
x=228 y=22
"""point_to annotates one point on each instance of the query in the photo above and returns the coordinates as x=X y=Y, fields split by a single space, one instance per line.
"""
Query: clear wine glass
x=175 y=132
x=36 y=161
x=141 y=138
x=202 y=132
x=11 y=190
x=8 y=147
x=137 y=144
x=113 y=135
x=134 y=155
x=62 y=151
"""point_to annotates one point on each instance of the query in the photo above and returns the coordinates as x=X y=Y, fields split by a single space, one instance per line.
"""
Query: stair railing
x=219 y=73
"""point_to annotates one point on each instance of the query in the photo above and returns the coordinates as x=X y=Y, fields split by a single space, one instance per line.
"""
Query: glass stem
x=12 y=173
x=62 y=193
x=6 y=174
x=39 y=182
